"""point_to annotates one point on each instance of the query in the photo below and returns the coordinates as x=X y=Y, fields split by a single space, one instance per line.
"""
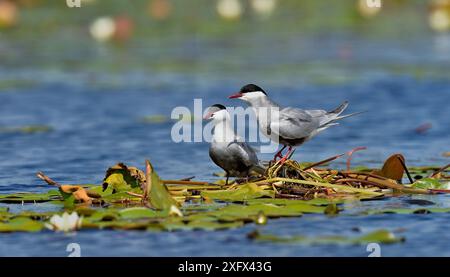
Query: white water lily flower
x=229 y=9
x=66 y=222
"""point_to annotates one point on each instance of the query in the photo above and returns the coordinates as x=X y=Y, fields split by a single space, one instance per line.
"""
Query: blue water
x=96 y=114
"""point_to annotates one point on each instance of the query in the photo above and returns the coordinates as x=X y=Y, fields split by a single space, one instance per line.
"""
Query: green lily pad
x=29 y=197
x=21 y=224
x=200 y=225
x=380 y=236
x=281 y=201
x=103 y=215
x=429 y=183
x=159 y=195
x=31 y=129
x=121 y=196
x=134 y=213
x=118 y=224
x=408 y=211
x=241 y=194
x=235 y=212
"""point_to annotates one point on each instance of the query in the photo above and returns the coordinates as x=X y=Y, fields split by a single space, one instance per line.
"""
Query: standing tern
x=288 y=126
x=227 y=150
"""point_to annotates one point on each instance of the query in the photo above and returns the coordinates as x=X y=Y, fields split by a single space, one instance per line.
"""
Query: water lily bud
x=103 y=28
x=123 y=28
x=439 y=16
x=8 y=13
x=229 y=9
x=160 y=9
x=369 y=8
x=261 y=218
x=263 y=7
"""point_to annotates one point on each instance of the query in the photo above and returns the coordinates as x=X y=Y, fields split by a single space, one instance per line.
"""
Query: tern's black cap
x=251 y=88
x=219 y=106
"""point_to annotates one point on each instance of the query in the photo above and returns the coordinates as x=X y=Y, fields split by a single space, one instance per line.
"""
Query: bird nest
x=294 y=180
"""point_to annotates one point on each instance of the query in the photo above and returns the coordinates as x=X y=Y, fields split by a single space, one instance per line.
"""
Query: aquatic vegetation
x=379 y=236
x=131 y=199
x=30 y=129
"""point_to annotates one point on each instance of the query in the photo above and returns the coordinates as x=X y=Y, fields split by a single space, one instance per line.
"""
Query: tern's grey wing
x=215 y=155
x=244 y=151
x=316 y=113
x=294 y=124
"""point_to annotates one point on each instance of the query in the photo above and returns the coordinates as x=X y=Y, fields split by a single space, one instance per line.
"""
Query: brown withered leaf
x=79 y=193
x=392 y=168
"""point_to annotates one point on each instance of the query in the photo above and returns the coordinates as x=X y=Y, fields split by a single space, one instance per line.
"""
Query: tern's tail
x=331 y=117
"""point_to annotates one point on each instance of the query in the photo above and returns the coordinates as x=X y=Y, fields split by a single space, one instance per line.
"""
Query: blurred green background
x=169 y=34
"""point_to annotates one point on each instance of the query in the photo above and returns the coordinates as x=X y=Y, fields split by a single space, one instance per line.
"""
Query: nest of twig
x=304 y=182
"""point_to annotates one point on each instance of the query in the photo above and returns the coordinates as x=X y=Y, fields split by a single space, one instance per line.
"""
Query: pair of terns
x=288 y=126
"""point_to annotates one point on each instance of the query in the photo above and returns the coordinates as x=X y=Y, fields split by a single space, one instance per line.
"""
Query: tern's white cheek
x=253 y=95
x=220 y=115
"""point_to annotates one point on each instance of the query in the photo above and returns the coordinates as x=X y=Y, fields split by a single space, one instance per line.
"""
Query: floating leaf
x=380 y=236
x=133 y=213
x=31 y=129
x=121 y=197
x=200 y=225
x=408 y=211
x=242 y=193
x=21 y=224
x=280 y=201
x=429 y=183
x=119 y=224
x=79 y=194
x=103 y=215
x=331 y=209
x=250 y=212
x=122 y=177
x=23 y=197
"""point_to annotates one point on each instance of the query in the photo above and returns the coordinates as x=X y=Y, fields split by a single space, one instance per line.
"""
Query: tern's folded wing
x=294 y=124
x=244 y=151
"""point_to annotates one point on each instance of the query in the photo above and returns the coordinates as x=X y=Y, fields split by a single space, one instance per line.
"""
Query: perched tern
x=227 y=150
x=288 y=126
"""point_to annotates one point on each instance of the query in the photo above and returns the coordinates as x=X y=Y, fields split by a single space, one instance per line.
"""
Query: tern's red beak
x=237 y=95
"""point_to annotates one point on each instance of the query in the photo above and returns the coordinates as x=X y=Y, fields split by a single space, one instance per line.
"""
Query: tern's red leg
x=284 y=159
x=278 y=154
